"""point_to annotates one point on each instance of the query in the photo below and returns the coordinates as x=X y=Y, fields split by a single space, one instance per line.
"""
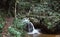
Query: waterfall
x=31 y=27
x=35 y=31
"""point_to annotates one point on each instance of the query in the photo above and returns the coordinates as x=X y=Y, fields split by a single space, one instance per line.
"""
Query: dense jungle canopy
x=45 y=14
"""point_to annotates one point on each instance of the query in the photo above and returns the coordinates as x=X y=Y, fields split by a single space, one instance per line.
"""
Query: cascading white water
x=35 y=31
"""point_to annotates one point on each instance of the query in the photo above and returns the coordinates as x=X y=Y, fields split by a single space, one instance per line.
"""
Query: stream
x=32 y=32
x=42 y=35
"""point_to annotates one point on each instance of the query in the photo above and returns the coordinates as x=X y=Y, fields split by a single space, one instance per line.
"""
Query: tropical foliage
x=37 y=9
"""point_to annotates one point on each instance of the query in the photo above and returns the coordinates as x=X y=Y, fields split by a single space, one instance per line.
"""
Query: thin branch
x=15 y=9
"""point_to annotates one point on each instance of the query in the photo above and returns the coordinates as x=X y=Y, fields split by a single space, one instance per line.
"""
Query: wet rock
x=35 y=22
x=29 y=27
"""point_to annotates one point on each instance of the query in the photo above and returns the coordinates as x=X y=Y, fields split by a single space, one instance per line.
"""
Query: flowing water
x=31 y=29
x=42 y=35
x=35 y=32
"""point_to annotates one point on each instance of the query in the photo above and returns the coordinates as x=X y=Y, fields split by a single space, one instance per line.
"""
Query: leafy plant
x=2 y=22
x=17 y=29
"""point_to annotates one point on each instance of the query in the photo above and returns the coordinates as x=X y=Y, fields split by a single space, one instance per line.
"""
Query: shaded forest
x=44 y=14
